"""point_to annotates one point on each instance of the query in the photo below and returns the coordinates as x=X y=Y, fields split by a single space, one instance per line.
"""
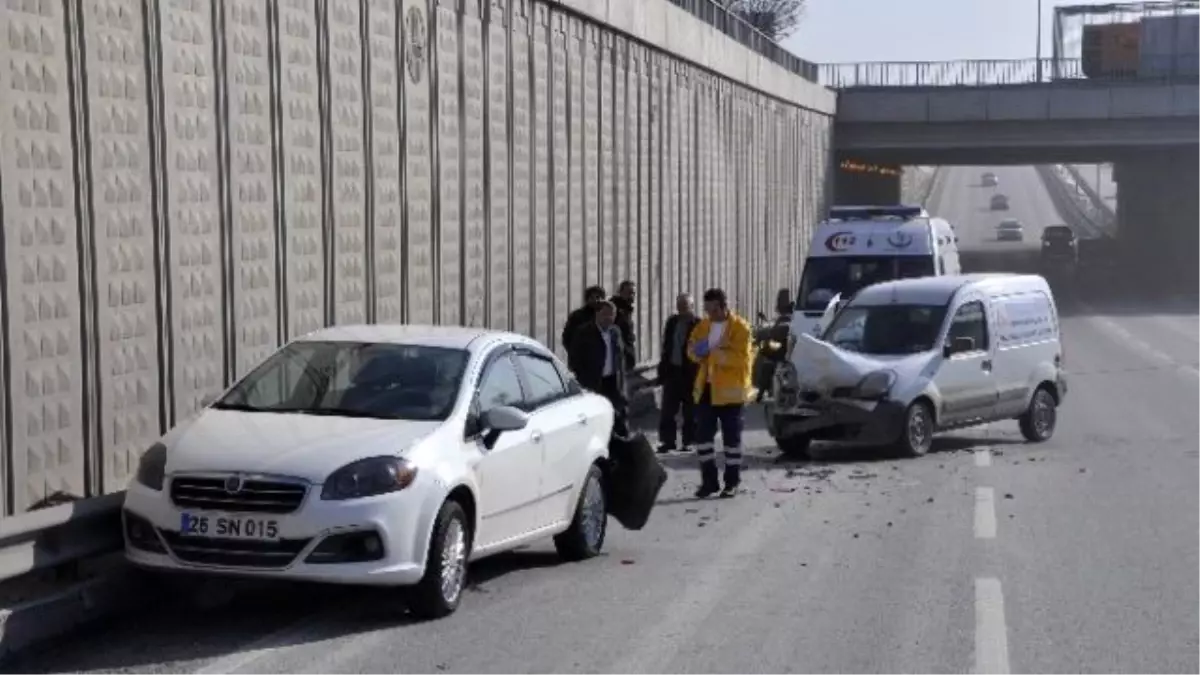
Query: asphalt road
x=1078 y=555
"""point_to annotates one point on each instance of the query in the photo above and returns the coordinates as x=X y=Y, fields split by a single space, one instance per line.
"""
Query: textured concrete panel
x=560 y=123
x=449 y=159
x=386 y=278
x=196 y=301
x=228 y=176
x=42 y=258
x=251 y=184
x=123 y=230
x=416 y=46
x=499 y=271
x=522 y=167
x=542 y=252
x=303 y=169
x=474 y=241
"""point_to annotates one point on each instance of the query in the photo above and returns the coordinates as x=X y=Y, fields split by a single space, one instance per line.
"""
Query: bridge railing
x=979 y=73
x=718 y=16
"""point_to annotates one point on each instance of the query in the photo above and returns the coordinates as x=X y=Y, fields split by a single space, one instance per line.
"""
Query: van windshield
x=887 y=330
x=824 y=278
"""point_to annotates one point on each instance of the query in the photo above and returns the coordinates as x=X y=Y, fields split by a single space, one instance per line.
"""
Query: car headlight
x=875 y=385
x=152 y=467
x=367 y=477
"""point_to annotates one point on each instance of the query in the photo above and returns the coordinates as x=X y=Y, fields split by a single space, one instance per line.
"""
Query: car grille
x=255 y=496
x=234 y=552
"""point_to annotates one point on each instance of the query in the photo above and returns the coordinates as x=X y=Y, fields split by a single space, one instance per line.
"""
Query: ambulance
x=861 y=245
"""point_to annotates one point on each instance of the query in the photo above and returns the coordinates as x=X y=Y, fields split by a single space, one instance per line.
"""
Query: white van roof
x=939 y=290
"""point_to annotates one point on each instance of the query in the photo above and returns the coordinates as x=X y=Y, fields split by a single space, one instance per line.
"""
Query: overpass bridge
x=1040 y=111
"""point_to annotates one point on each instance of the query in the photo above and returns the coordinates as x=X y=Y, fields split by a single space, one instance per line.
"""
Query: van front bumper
x=844 y=420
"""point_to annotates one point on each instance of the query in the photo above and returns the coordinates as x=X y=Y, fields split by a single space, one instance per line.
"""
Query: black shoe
x=729 y=491
x=708 y=480
x=664 y=448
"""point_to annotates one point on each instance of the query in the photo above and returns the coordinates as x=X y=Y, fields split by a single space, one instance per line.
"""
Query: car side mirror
x=501 y=419
x=208 y=399
x=960 y=345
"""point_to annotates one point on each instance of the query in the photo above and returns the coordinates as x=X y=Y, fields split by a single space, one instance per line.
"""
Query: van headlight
x=875 y=385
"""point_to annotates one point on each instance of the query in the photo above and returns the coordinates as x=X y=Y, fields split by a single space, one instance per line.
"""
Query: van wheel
x=917 y=435
x=797 y=446
x=1038 y=422
x=439 y=591
x=585 y=536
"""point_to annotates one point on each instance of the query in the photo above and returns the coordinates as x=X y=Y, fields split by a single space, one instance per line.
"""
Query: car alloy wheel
x=454 y=561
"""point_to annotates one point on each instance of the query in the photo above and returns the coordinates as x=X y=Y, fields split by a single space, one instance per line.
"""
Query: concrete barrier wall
x=187 y=184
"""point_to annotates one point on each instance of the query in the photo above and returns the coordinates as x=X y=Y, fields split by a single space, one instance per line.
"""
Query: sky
x=851 y=31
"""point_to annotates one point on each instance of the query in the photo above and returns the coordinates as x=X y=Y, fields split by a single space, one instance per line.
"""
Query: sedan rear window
x=353 y=379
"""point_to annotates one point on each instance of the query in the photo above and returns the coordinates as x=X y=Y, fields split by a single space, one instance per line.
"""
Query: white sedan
x=383 y=455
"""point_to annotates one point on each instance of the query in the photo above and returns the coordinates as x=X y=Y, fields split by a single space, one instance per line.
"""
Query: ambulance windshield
x=826 y=277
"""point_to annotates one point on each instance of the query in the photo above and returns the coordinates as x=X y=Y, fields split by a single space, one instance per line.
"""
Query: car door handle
x=583 y=420
x=536 y=436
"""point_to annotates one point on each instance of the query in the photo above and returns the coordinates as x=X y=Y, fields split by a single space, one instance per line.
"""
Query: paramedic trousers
x=730 y=420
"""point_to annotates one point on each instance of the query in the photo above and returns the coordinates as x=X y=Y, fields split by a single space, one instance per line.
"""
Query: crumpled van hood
x=821 y=367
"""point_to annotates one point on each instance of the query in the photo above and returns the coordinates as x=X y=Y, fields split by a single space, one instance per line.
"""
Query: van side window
x=970 y=321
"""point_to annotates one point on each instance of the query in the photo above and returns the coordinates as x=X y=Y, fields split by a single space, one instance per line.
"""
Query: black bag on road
x=635 y=478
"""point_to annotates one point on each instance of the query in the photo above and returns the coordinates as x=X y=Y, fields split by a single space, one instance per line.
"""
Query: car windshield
x=824 y=278
x=353 y=379
x=886 y=330
x=1058 y=233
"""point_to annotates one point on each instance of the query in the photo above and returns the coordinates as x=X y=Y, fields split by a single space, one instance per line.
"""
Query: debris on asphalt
x=626 y=561
x=1083 y=469
x=1008 y=495
x=783 y=489
x=804 y=564
x=889 y=523
x=856 y=535
x=691 y=510
x=777 y=505
x=929 y=501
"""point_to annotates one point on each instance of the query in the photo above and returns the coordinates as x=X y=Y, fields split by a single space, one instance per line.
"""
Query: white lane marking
x=1119 y=331
x=656 y=648
x=983 y=458
x=991 y=632
x=299 y=632
x=985 y=513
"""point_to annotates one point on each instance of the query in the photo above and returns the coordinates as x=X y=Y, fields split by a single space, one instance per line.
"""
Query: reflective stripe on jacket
x=728 y=365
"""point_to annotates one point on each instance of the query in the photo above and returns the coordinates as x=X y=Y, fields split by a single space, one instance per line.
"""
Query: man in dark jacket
x=595 y=358
x=592 y=297
x=677 y=376
x=623 y=301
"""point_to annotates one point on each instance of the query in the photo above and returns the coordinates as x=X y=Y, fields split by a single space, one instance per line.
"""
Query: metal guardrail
x=1082 y=184
x=1069 y=205
x=976 y=73
x=718 y=16
x=1102 y=218
x=60 y=535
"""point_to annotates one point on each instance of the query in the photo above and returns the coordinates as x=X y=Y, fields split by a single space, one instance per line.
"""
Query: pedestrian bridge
x=1031 y=111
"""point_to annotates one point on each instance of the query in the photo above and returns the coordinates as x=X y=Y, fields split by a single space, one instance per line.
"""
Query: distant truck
x=1154 y=47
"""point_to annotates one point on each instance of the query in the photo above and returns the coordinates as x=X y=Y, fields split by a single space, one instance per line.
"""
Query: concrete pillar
x=1158 y=216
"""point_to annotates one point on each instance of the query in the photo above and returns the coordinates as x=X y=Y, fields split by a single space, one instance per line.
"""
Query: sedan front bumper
x=378 y=540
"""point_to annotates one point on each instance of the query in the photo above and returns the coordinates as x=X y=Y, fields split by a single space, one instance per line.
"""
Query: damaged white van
x=903 y=360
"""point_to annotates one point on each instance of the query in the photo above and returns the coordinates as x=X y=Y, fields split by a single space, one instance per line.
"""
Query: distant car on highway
x=1059 y=244
x=1010 y=229
x=989 y=179
x=999 y=203
x=381 y=455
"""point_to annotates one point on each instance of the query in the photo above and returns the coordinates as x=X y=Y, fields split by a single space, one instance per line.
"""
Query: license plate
x=228 y=527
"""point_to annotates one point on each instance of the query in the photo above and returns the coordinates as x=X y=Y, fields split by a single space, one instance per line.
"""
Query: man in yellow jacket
x=722 y=345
